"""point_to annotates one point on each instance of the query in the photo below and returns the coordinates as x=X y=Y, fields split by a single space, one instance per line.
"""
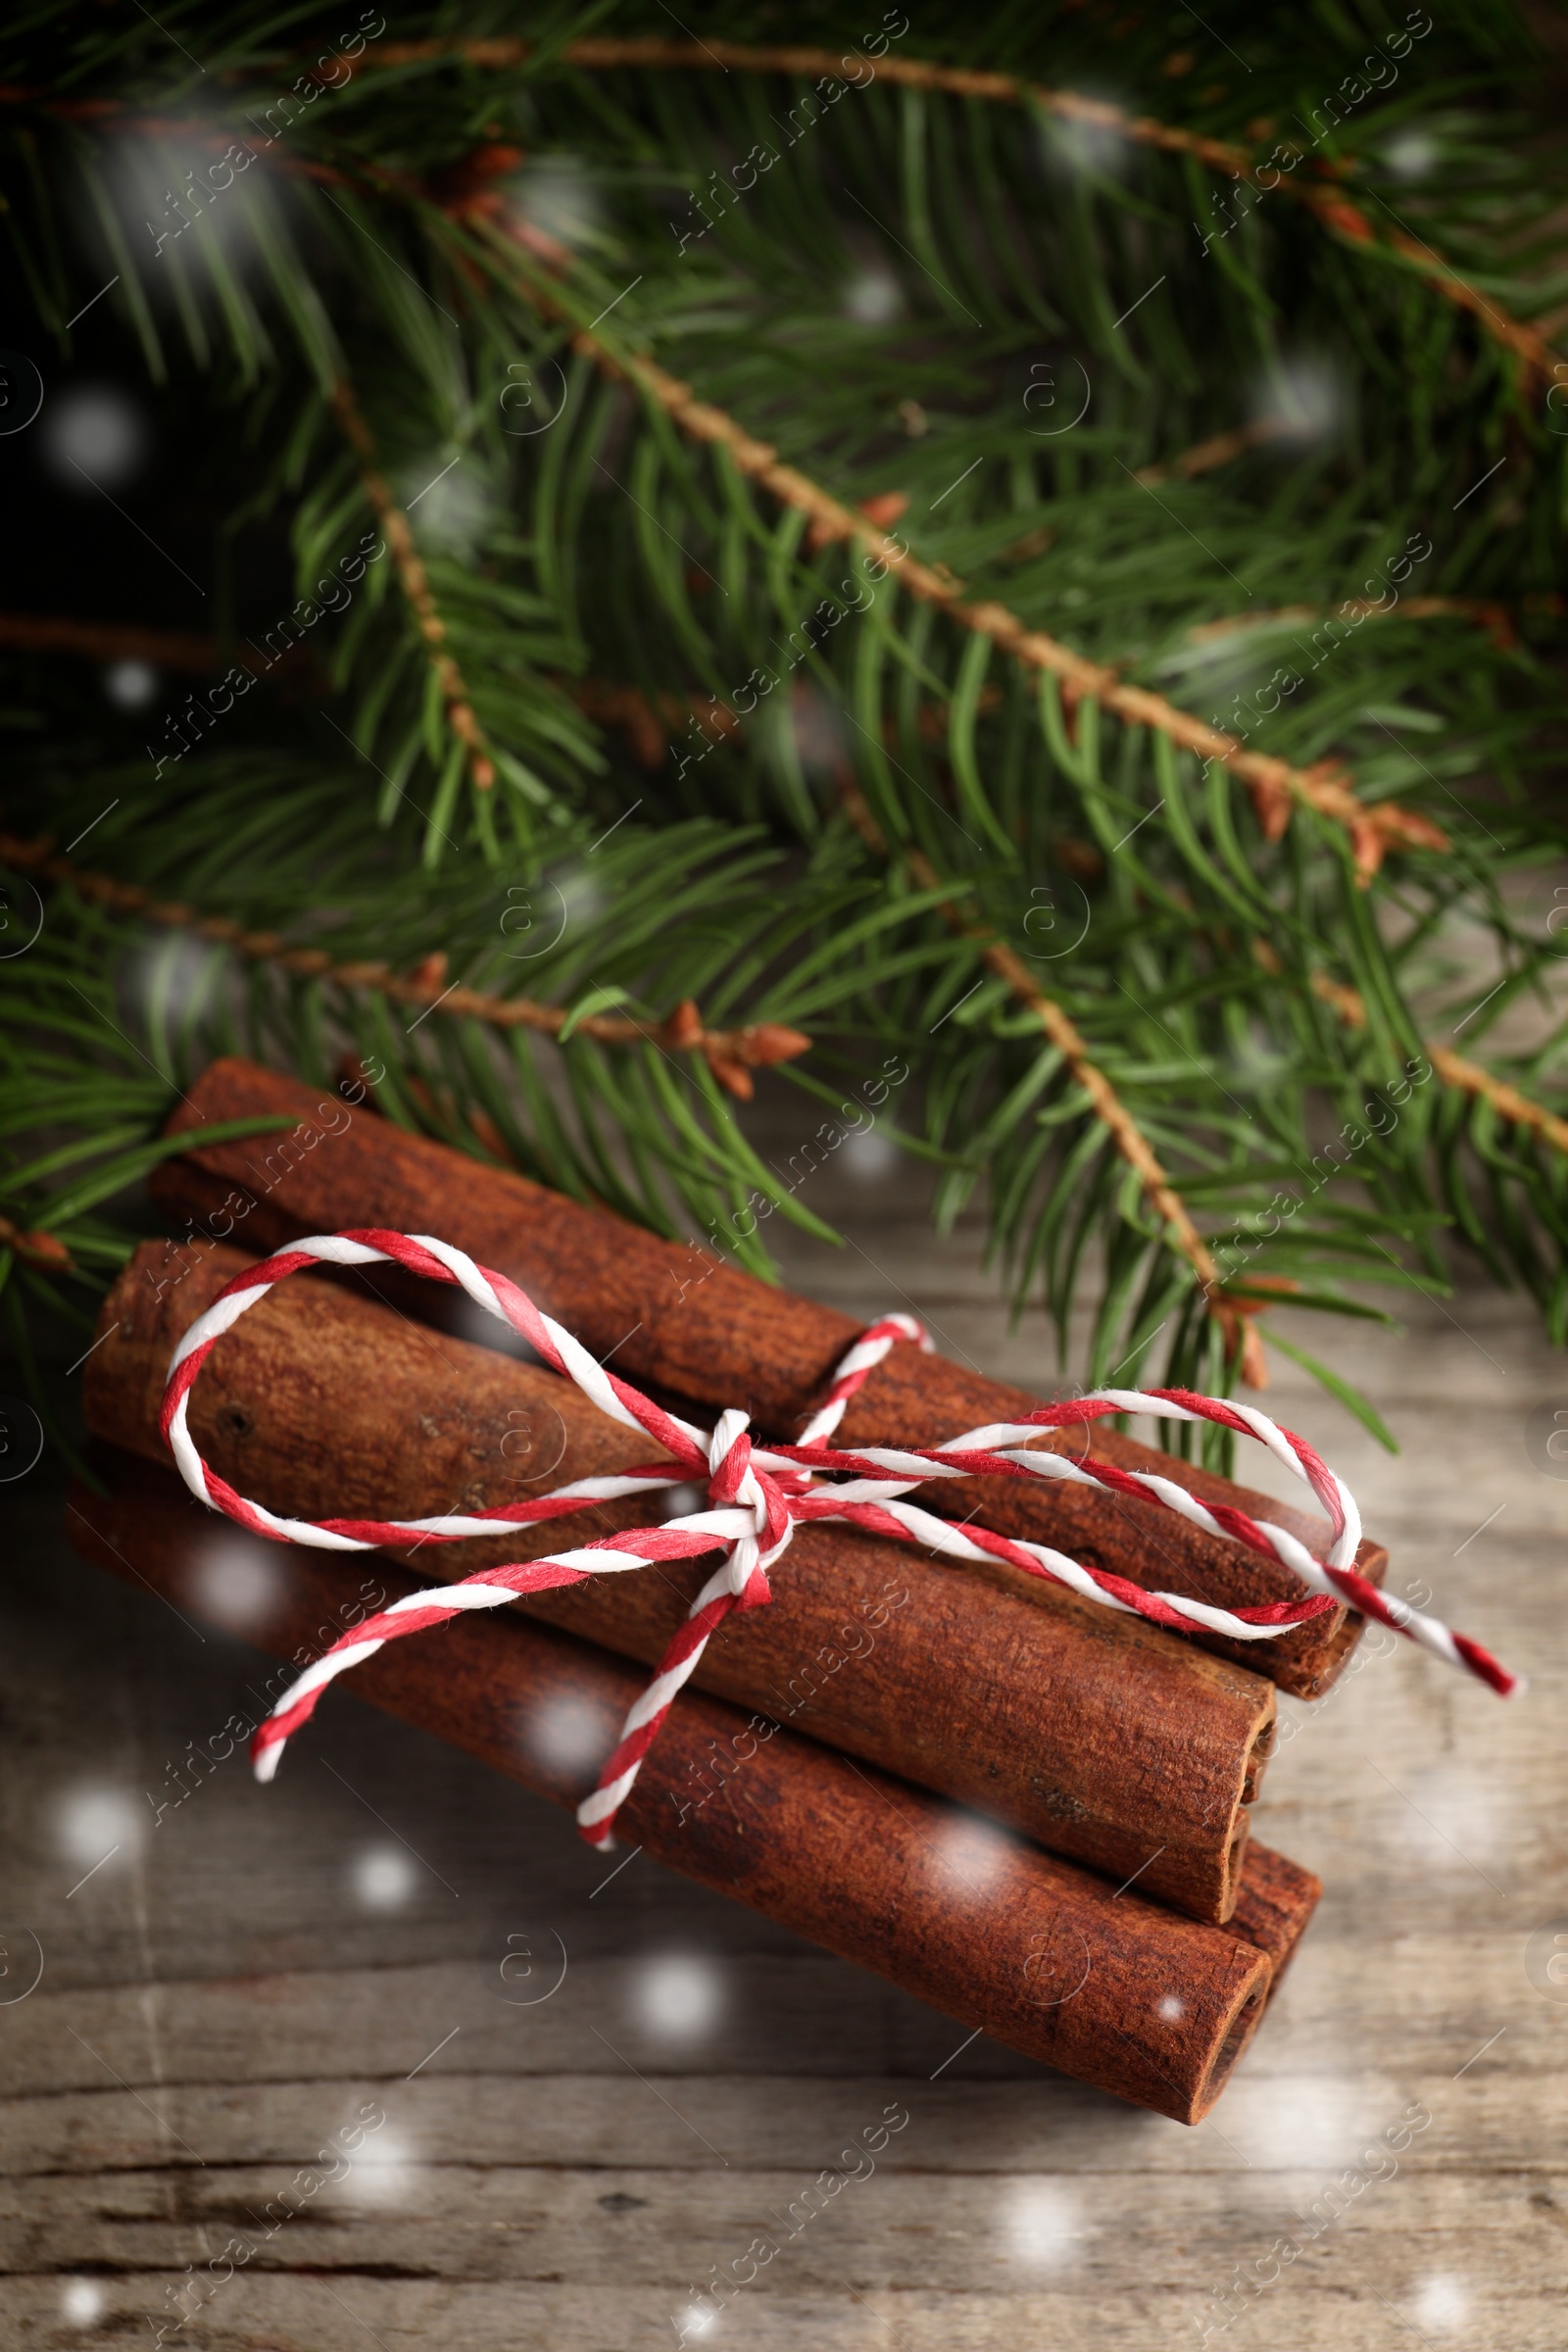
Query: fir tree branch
x=415 y=586
x=1464 y=1077
x=1469 y=1078
x=1348 y=1002
x=1374 y=828
x=1216 y=1059
x=1219 y=450
x=1330 y=205
x=1498 y=619
x=645 y=718
x=115 y=641
x=730 y=1054
x=35 y=1248
x=1239 y=1338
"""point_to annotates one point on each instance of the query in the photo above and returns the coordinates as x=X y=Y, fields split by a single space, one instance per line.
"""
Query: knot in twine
x=757 y=1495
x=733 y=1478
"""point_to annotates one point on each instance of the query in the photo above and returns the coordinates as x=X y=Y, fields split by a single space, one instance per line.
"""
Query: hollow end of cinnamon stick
x=1262 y=1748
x=1050 y=1959
x=1099 y=1737
x=1235 y=1855
x=1244 y=2024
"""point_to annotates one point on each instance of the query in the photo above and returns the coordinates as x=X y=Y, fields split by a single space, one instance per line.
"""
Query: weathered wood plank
x=261 y=1963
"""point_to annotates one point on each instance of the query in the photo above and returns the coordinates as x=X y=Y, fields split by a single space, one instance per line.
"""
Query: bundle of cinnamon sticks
x=827 y=1766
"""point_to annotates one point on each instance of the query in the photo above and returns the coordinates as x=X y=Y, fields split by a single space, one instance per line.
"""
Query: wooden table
x=600 y=2083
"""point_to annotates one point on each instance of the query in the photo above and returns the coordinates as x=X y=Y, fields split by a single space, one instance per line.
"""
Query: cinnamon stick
x=1044 y=1956
x=694 y=1327
x=1118 y=1745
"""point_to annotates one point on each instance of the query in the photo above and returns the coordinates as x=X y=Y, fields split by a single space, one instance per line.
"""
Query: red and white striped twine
x=757 y=1495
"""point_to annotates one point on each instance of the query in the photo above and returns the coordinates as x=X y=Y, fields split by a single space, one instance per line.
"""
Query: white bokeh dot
x=869 y=1155
x=1442 y=2302
x=130 y=685
x=93 y=1822
x=235 y=1582
x=1411 y=155
x=557 y=196
x=678 y=1997
x=582 y=895
x=973 y=1853
x=1097 y=148
x=569 y=1734
x=819 y=735
x=173 y=975
x=1310 y=2118
x=450 y=509
x=1042 y=2225
x=385 y=2169
x=1302 y=399
x=1449 y=1820
x=873 y=299
x=95 y=433
x=82 y=2301
x=384 y=1877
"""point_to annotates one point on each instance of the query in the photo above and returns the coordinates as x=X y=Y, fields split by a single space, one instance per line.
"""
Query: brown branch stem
x=1465 y=1077
x=1373 y=827
x=731 y=1053
x=1469 y=1078
x=37 y=1247
x=1497 y=618
x=1320 y=194
x=1127 y=1137
x=415 y=584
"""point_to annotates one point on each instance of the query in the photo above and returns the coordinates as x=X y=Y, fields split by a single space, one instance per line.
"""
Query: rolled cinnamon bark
x=684 y=1322
x=1045 y=1957
x=1109 y=1742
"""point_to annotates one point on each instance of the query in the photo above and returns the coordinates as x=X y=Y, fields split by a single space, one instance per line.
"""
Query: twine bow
x=757 y=1496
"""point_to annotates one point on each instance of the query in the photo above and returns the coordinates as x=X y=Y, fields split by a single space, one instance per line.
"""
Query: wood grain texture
x=1056 y=1962
x=696 y=1328
x=230 y=1987
x=1103 y=1739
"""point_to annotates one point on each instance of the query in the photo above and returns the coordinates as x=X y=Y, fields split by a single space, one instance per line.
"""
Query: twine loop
x=756 y=1496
